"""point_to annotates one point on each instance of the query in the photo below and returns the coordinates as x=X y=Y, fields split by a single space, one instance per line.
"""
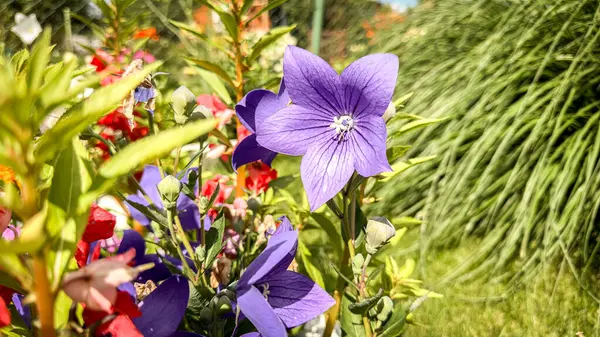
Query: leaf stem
x=174 y=238
x=44 y=297
x=239 y=90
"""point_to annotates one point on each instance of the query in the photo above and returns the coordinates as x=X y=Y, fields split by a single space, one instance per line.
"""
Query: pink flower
x=217 y=107
x=5 y=216
x=11 y=233
x=224 y=191
x=145 y=56
x=95 y=285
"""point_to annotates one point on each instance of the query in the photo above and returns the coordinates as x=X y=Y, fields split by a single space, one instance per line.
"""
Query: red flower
x=82 y=253
x=100 y=226
x=242 y=132
x=212 y=102
x=259 y=177
x=149 y=33
x=4 y=313
x=121 y=325
x=101 y=60
x=224 y=192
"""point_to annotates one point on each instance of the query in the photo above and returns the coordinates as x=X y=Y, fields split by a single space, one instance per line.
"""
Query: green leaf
x=152 y=147
x=404 y=221
x=395 y=152
x=72 y=177
x=246 y=6
x=32 y=238
x=149 y=212
x=333 y=231
x=307 y=261
x=229 y=22
x=417 y=124
x=40 y=56
x=80 y=116
x=352 y=324
x=19 y=59
x=216 y=84
x=395 y=324
x=268 y=39
x=272 y=4
x=9 y=281
x=62 y=306
x=364 y=305
x=189 y=29
x=400 y=167
x=214 y=240
x=402 y=100
x=212 y=67
x=12 y=264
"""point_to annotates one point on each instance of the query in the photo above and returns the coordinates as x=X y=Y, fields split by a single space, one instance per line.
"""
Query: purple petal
x=283 y=93
x=246 y=108
x=268 y=106
x=251 y=334
x=312 y=82
x=369 y=84
x=248 y=151
x=275 y=258
x=325 y=169
x=188 y=213
x=133 y=239
x=24 y=310
x=293 y=129
x=150 y=178
x=158 y=273
x=164 y=308
x=368 y=145
x=256 y=308
x=295 y=298
x=130 y=289
x=143 y=95
x=137 y=215
x=284 y=226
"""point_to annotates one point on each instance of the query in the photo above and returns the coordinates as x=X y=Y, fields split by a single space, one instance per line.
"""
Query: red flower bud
x=100 y=226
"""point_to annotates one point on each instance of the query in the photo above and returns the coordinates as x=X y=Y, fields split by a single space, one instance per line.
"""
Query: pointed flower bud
x=390 y=112
x=357 y=264
x=379 y=231
x=169 y=189
x=183 y=102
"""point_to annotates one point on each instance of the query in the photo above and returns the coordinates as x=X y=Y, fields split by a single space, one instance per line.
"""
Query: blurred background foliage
x=507 y=204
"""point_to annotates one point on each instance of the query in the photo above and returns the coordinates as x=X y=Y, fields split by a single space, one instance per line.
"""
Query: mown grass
x=550 y=304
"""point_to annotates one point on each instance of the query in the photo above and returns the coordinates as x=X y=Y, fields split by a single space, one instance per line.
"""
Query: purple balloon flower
x=186 y=207
x=252 y=111
x=274 y=298
x=160 y=271
x=335 y=121
x=164 y=308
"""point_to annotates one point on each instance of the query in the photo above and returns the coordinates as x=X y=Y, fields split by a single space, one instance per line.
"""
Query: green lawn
x=549 y=304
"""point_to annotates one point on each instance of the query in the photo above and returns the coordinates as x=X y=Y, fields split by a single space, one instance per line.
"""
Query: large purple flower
x=164 y=308
x=252 y=110
x=335 y=121
x=274 y=298
x=186 y=207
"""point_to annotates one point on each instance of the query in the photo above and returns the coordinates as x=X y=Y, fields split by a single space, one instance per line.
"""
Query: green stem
x=173 y=232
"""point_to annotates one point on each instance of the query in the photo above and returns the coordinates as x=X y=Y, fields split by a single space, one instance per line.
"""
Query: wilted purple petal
x=130 y=289
x=137 y=215
x=295 y=298
x=312 y=83
x=163 y=309
x=293 y=129
x=23 y=309
x=325 y=169
x=150 y=178
x=251 y=334
x=143 y=95
x=246 y=108
x=275 y=258
x=256 y=308
x=248 y=151
x=368 y=145
x=369 y=84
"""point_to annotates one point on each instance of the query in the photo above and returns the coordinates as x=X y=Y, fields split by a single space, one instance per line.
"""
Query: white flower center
x=342 y=125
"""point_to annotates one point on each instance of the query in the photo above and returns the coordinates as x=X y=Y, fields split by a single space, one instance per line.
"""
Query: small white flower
x=26 y=27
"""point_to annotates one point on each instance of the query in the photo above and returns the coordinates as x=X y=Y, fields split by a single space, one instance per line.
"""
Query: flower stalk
x=44 y=298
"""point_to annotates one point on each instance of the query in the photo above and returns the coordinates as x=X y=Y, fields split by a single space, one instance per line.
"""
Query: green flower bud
x=183 y=102
x=169 y=189
x=357 y=264
x=203 y=203
x=223 y=305
x=385 y=306
x=200 y=252
x=379 y=231
x=254 y=204
x=390 y=112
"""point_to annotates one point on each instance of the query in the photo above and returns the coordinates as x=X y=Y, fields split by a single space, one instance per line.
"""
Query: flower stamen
x=342 y=125
x=266 y=292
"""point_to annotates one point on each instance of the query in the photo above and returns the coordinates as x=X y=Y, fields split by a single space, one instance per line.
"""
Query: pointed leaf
x=272 y=4
x=212 y=67
x=216 y=84
x=265 y=41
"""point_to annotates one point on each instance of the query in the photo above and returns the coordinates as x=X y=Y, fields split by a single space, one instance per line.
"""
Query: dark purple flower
x=164 y=308
x=274 y=298
x=160 y=271
x=335 y=121
x=252 y=110
x=186 y=207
